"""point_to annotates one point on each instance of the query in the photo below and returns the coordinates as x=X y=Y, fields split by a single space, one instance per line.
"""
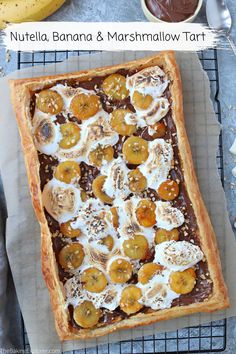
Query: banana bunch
x=16 y=11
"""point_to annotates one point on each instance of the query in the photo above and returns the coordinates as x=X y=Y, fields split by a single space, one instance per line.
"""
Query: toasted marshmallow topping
x=116 y=185
x=157 y=110
x=91 y=220
x=61 y=200
x=150 y=81
x=128 y=222
x=109 y=298
x=177 y=255
x=156 y=168
x=157 y=293
x=167 y=216
x=47 y=135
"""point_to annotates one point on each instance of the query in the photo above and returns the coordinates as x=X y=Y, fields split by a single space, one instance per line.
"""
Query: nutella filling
x=172 y=10
x=188 y=231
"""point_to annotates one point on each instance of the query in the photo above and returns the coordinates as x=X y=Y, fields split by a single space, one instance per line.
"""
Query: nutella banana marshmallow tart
x=126 y=238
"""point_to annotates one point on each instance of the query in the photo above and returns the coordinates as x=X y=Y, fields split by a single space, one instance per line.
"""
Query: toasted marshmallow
x=177 y=255
x=157 y=110
x=92 y=220
x=61 y=200
x=116 y=185
x=157 y=293
x=149 y=81
x=47 y=135
x=156 y=168
x=167 y=216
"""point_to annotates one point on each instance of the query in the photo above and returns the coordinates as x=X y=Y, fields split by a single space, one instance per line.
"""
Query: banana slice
x=70 y=135
x=120 y=270
x=145 y=213
x=147 y=272
x=114 y=87
x=93 y=280
x=162 y=235
x=129 y=299
x=108 y=242
x=49 y=101
x=137 y=181
x=135 y=150
x=100 y=155
x=71 y=256
x=136 y=247
x=118 y=123
x=84 y=106
x=97 y=187
x=141 y=101
x=68 y=231
x=68 y=172
x=86 y=315
x=183 y=282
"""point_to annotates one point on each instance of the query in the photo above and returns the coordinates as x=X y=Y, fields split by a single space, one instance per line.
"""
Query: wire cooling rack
x=207 y=338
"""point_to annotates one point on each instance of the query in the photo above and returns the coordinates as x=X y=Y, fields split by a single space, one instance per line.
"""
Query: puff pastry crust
x=21 y=91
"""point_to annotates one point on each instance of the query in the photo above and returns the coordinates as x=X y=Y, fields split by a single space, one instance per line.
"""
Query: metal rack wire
x=207 y=338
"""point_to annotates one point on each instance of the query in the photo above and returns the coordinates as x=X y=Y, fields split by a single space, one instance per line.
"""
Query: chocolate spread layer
x=172 y=10
x=188 y=231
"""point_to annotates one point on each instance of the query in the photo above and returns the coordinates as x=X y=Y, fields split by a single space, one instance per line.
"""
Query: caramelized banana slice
x=70 y=135
x=86 y=315
x=68 y=231
x=97 y=188
x=137 y=181
x=93 y=280
x=97 y=156
x=115 y=217
x=147 y=272
x=118 y=123
x=183 y=282
x=129 y=299
x=135 y=150
x=68 y=171
x=114 y=87
x=145 y=213
x=141 y=101
x=160 y=130
x=136 y=247
x=162 y=235
x=49 y=101
x=120 y=271
x=85 y=106
x=168 y=190
x=71 y=256
x=108 y=241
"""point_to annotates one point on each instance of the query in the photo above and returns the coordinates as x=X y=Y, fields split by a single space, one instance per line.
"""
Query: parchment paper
x=23 y=235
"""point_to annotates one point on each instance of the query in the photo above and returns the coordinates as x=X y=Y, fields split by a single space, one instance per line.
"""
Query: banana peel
x=16 y=11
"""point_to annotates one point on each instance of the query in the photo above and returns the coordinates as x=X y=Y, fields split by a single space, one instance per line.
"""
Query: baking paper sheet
x=23 y=234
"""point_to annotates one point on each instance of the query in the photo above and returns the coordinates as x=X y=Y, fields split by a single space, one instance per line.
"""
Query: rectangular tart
x=126 y=238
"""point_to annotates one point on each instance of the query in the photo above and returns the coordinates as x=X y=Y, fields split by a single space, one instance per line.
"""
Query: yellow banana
x=16 y=11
